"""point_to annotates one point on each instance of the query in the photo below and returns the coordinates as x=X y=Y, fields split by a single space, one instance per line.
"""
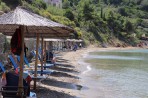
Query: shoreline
x=75 y=56
x=65 y=82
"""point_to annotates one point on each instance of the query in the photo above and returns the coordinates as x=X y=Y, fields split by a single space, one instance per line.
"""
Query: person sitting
x=49 y=57
x=75 y=47
x=11 y=76
x=12 y=80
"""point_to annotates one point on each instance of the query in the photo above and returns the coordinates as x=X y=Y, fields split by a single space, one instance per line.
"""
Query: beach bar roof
x=31 y=25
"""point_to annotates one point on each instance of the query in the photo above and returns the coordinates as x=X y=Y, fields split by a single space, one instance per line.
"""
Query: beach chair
x=2 y=67
x=40 y=78
x=25 y=60
x=40 y=51
x=39 y=65
x=34 y=54
x=13 y=62
x=46 y=65
x=32 y=72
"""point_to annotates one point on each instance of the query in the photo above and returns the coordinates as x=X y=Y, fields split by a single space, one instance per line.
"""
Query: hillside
x=110 y=22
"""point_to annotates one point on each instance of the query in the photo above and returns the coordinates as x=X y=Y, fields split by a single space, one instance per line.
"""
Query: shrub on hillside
x=4 y=7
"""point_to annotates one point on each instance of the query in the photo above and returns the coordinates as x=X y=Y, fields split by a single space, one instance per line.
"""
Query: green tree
x=101 y=12
x=123 y=11
x=20 y=2
x=128 y=26
x=139 y=2
x=145 y=7
x=88 y=11
x=106 y=1
x=39 y=4
x=66 y=4
x=69 y=14
x=115 y=2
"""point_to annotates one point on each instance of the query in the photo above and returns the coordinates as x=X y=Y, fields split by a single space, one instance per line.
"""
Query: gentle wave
x=81 y=62
x=88 y=67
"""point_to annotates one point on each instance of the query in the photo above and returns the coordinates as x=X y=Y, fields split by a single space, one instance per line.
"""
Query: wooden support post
x=42 y=56
x=45 y=53
x=20 y=85
x=36 y=61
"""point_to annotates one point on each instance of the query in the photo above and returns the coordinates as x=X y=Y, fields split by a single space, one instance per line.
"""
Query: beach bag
x=28 y=79
x=16 y=46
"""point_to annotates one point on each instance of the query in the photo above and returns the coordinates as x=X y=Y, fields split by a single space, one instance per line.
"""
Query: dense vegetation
x=98 y=21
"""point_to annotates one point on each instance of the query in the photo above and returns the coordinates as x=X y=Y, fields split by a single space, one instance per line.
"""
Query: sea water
x=115 y=74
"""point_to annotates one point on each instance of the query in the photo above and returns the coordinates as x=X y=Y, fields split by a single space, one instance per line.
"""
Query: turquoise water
x=115 y=74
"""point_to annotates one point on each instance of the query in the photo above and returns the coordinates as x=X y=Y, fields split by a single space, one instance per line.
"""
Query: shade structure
x=53 y=40
x=33 y=24
x=74 y=40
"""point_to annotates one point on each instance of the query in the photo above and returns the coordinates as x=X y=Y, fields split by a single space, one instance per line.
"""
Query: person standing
x=25 y=49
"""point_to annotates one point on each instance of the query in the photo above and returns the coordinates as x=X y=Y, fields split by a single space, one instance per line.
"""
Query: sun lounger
x=47 y=65
x=39 y=65
x=13 y=61
x=2 y=67
x=34 y=54
x=32 y=72
x=40 y=78
x=25 y=60
x=48 y=62
x=48 y=72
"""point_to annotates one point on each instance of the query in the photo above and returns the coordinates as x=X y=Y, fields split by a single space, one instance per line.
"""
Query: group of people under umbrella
x=30 y=25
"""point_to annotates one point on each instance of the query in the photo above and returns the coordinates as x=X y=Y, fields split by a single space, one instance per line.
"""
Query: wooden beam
x=36 y=61
x=20 y=89
x=45 y=53
x=42 y=56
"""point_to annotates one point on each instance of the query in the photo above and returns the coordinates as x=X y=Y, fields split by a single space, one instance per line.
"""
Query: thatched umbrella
x=51 y=40
x=31 y=25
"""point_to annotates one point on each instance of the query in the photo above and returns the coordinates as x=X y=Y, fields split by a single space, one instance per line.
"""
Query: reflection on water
x=120 y=74
x=114 y=57
x=115 y=60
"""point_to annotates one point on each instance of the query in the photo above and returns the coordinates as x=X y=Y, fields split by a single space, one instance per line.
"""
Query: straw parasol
x=31 y=25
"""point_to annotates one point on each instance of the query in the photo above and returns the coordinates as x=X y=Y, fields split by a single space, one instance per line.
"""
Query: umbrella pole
x=42 y=57
x=20 y=89
x=48 y=51
x=36 y=61
x=45 y=53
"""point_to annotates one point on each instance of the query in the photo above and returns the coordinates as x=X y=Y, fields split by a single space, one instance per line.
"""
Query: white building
x=57 y=3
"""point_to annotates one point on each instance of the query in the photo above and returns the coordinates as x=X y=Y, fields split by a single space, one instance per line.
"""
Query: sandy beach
x=64 y=81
